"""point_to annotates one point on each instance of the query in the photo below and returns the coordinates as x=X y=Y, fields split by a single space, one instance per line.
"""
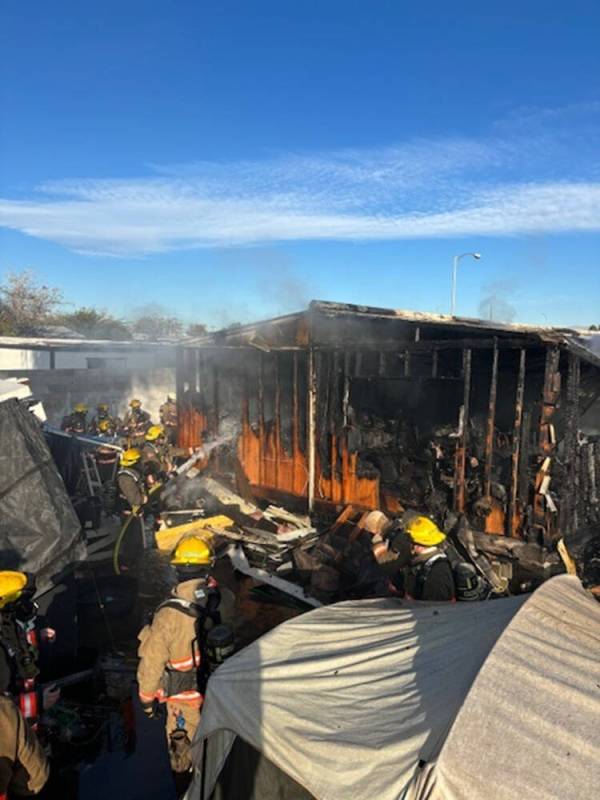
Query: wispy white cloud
x=501 y=186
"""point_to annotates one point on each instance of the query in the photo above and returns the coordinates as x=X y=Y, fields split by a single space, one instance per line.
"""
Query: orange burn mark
x=345 y=485
x=192 y=425
x=267 y=464
x=495 y=520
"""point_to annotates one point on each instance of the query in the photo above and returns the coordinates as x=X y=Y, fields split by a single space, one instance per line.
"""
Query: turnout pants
x=182 y=721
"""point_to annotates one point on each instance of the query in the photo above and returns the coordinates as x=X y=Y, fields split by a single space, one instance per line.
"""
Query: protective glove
x=150 y=709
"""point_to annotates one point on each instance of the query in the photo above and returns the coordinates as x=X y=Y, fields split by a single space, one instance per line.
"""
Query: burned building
x=344 y=404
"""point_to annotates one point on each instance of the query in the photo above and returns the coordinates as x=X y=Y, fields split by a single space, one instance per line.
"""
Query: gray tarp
x=346 y=699
x=39 y=530
x=530 y=726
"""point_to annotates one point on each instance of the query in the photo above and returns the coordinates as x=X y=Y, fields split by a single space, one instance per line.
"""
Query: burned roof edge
x=333 y=309
x=568 y=338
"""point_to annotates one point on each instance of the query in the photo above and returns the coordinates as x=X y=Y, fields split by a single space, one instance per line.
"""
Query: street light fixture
x=476 y=256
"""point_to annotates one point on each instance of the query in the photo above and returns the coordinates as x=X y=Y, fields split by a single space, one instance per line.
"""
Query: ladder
x=91 y=473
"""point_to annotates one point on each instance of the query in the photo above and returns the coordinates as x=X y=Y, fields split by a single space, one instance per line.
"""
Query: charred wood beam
x=179 y=386
x=196 y=362
x=491 y=424
x=346 y=395
x=246 y=394
x=261 y=418
x=312 y=429
x=568 y=512
x=525 y=460
x=513 y=517
x=550 y=397
x=421 y=345
x=357 y=363
x=461 y=447
x=216 y=410
x=333 y=411
x=414 y=378
x=323 y=369
x=544 y=517
x=277 y=422
x=434 y=364
x=295 y=409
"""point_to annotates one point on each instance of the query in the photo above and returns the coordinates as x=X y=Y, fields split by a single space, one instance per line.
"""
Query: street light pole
x=476 y=256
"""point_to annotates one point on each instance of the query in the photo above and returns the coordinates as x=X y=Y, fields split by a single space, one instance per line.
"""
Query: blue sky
x=234 y=160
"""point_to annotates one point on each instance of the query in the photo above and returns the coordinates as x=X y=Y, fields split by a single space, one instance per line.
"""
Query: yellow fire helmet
x=193 y=550
x=171 y=397
x=154 y=432
x=103 y=426
x=11 y=586
x=102 y=407
x=130 y=457
x=425 y=532
x=135 y=403
x=80 y=408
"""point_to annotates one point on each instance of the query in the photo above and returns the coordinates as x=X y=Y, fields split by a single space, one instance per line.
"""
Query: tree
x=158 y=326
x=196 y=329
x=25 y=304
x=7 y=325
x=91 y=323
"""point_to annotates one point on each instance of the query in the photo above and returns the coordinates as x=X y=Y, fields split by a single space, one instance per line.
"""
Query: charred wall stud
x=569 y=510
x=491 y=423
x=514 y=515
x=312 y=429
x=462 y=443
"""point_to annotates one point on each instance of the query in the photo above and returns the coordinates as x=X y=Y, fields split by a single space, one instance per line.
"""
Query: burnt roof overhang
x=292 y=331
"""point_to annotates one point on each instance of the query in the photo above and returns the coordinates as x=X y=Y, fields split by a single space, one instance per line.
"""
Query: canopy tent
x=39 y=530
x=345 y=700
x=529 y=726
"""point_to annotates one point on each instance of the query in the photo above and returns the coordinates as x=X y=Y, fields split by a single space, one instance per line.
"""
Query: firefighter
x=173 y=664
x=136 y=422
x=23 y=766
x=76 y=421
x=131 y=479
x=107 y=458
x=428 y=574
x=103 y=424
x=20 y=637
x=155 y=452
x=168 y=418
